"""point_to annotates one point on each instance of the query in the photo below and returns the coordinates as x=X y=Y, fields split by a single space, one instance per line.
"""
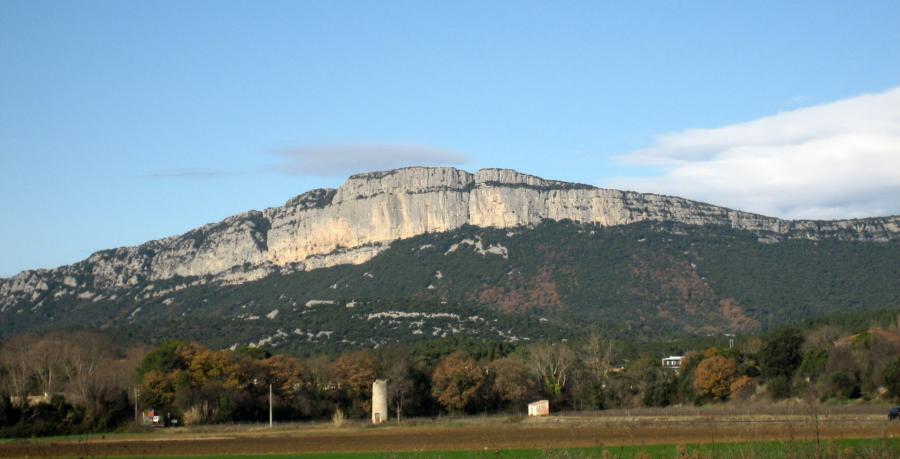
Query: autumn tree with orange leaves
x=713 y=377
x=457 y=382
x=355 y=373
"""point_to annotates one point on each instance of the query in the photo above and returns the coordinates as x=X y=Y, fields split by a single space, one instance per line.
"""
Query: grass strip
x=845 y=448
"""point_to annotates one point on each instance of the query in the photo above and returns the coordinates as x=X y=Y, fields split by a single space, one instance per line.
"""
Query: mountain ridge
x=553 y=280
x=358 y=220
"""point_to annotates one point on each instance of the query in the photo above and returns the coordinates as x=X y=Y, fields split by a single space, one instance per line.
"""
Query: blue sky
x=124 y=121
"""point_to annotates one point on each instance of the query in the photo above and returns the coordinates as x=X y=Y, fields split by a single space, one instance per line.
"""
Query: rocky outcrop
x=355 y=222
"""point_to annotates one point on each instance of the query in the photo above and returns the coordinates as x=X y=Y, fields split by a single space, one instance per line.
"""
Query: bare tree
x=822 y=337
x=597 y=354
x=400 y=384
x=15 y=357
x=552 y=363
x=47 y=356
x=84 y=357
x=319 y=372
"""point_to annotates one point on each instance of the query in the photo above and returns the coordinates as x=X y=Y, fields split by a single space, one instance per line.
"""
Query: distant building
x=29 y=400
x=539 y=408
x=673 y=362
x=155 y=418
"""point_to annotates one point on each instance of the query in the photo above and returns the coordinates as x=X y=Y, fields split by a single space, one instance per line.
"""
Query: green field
x=850 y=448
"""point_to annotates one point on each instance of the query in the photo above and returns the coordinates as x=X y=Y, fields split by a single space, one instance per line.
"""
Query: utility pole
x=136 y=418
x=270 y=406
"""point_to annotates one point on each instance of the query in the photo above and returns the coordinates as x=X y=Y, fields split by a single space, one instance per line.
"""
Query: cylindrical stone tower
x=379 y=401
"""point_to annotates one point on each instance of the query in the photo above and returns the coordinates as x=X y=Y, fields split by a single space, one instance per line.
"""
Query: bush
x=108 y=411
x=54 y=418
x=845 y=385
x=201 y=413
x=891 y=377
x=660 y=393
x=9 y=414
x=741 y=388
x=779 y=388
x=813 y=364
x=338 y=419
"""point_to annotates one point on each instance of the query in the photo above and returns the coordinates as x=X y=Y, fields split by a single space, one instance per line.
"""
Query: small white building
x=539 y=408
x=673 y=362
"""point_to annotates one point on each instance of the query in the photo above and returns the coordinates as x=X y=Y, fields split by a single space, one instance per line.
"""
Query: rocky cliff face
x=354 y=223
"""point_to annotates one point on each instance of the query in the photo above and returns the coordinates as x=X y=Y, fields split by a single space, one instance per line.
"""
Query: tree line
x=65 y=383
x=92 y=384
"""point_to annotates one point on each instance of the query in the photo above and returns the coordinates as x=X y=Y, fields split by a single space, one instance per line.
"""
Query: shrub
x=845 y=385
x=201 y=413
x=779 y=388
x=741 y=387
x=338 y=419
x=813 y=364
x=660 y=393
x=891 y=377
x=54 y=418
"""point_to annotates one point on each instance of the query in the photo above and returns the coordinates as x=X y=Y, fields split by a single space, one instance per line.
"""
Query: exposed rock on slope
x=355 y=222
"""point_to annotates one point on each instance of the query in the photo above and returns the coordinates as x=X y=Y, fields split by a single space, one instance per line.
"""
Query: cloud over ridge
x=345 y=160
x=186 y=173
x=835 y=160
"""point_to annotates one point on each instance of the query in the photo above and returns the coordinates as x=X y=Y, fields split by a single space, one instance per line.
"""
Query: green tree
x=813 y=364
x=780 y=355
x=891 y=377
x=162 y=359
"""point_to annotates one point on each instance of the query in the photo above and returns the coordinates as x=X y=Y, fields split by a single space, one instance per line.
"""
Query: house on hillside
x=29 y=400
x=539 y=408
x=868 y=337
x=672 y=362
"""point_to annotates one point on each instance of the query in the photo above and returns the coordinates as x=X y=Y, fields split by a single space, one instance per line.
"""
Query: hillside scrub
x=647 y=281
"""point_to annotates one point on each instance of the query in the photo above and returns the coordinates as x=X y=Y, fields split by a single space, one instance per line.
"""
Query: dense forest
x=556 y=280
x=90 y=383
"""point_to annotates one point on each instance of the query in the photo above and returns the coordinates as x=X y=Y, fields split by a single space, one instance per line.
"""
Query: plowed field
x=495 y=434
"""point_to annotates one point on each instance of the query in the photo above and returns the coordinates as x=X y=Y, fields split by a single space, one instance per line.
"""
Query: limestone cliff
x=354 y=223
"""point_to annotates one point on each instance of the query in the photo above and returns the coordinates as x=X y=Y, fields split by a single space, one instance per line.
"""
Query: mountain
x=328 y=255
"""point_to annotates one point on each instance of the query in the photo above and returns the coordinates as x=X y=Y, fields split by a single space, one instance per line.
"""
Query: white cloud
x=186 y=173
x=346 y=160
x=836 y=160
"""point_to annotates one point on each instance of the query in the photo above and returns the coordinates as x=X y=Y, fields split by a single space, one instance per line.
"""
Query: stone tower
x=379 y=401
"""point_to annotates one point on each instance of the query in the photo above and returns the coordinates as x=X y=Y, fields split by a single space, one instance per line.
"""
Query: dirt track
x=547 y=433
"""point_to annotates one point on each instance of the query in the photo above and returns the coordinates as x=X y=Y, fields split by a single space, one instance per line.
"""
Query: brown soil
x=544 y=433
